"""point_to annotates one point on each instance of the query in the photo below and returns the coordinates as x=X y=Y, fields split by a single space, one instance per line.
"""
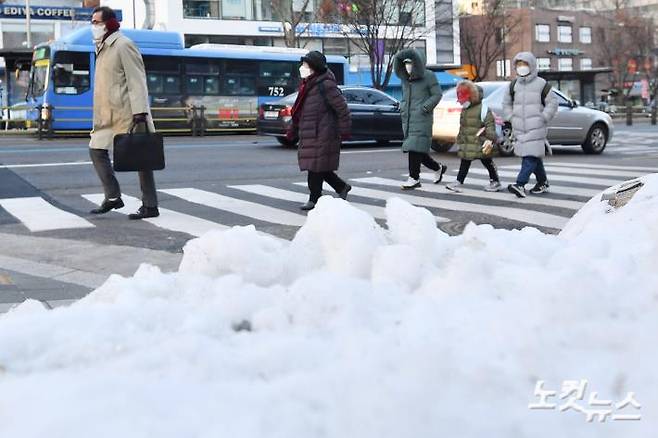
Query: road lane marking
x=469 y=193
x=23 y=166
x=517 y=214
x=39 y=215
x=288 y=195
x=237 y=206
x=168 y=219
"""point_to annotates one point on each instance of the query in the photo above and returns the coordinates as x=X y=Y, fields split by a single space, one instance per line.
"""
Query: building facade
x=565 y=44
x=255 y=22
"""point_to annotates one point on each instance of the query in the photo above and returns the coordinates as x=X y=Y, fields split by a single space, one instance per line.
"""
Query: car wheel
x=287 y=143
x=441 y=147
x=596 y=140
x=507 y=144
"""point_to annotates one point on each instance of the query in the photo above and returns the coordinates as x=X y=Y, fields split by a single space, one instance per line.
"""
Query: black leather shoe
x=308 y=206
x=343 y=193
x=145 y=212
x=108 y=205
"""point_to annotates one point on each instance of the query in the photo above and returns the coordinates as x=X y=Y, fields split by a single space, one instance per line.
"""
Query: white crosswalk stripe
x=243 y=208
x=271 y=205
x=603 y=166
x=586 y=171
x=572 y=178
x=289 y=195
x=557 y=189
x=168 y=219
x=480 y=193
x=522 y=215
x=39 y=215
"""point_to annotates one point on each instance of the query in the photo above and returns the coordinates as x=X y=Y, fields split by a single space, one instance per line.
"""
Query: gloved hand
x=507 y=125
x=139 y=118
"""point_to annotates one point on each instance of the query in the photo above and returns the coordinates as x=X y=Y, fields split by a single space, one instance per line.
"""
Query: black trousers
x=418 y=158
x=315 y=180
x=486 y=162
x=103 y=166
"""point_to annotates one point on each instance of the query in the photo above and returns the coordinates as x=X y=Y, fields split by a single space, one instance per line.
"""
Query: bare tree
x=294 y=16
x=628 y=41
x=378 y=29
x=483 y=37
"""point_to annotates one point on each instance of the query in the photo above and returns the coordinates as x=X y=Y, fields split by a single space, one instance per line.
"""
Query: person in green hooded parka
x=420 y=94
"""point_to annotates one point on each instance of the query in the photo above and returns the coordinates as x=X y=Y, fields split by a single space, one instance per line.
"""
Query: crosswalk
x=634 y=144
x=269 y=206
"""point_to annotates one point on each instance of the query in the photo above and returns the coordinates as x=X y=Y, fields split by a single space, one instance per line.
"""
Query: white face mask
x=466 y=104
x=304 y=71
x=523 y=70
x=98 y=31
x=409 y=68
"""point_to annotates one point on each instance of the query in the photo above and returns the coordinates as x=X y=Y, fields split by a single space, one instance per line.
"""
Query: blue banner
x=50 y=13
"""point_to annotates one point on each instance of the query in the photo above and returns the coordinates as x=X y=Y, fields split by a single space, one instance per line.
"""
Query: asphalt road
x=255 y=179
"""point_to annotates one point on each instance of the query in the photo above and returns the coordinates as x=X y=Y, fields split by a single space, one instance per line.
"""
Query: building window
x=201 y=8
x=236 y=9
x=586 y=35
x=543 y=33
x=585 y=64
x=544 y=63
x=564 y=34
x=503 y=69
x=565 y=64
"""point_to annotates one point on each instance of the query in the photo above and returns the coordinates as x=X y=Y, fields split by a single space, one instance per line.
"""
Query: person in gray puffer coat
x=529 y=118
x=420 y=94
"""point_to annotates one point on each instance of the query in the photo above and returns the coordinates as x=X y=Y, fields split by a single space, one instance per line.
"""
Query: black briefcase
x=135 y=151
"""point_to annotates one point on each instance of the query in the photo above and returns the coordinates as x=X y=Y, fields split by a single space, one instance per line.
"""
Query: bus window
x=194 y=85
x=240 y=78
x=39 y=78
x=277 y=78
x=171 y=84
x=239 y=86
x=71 y=73
x=211 y=85
x=202 y=77
x=339 y=72
x=154 y=83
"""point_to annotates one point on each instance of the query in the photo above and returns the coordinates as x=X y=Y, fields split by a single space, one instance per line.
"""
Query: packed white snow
x=353 y=330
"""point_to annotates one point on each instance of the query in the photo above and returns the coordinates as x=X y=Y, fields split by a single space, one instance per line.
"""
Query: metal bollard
x=629 y=113
x=202 y=122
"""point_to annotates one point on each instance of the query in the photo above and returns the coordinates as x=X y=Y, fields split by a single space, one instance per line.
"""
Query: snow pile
x=351 y=330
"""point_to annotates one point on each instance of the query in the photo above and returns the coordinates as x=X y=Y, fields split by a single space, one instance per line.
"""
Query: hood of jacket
x=530 y=59
x=417 y=60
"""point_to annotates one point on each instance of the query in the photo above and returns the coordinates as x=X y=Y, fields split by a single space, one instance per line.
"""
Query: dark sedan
x=375 y=116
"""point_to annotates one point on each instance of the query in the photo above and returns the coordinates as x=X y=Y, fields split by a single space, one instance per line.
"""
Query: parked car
x=375 y=116
x=573 y=125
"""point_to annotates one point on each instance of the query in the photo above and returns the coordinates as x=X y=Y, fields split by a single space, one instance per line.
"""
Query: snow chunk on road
x=352 y=330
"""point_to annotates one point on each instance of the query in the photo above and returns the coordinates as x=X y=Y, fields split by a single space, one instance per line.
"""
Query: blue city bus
x=229 y=82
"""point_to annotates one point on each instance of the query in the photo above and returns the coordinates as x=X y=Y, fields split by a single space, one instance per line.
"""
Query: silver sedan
x=573 y=125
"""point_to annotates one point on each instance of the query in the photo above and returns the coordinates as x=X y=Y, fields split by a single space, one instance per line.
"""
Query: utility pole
x=502 y=3
x=28 y=30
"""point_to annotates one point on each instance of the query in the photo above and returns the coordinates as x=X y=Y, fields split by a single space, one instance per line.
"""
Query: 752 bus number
x=276 y=91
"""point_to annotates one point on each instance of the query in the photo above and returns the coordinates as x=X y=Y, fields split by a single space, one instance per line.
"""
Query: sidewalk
x=59 y=271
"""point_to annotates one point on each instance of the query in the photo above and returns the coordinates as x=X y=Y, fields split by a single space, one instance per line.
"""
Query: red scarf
x=112 y=25
x=301 y=95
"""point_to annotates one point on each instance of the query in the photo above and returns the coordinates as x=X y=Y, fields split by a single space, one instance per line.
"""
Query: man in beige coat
x=120 y=100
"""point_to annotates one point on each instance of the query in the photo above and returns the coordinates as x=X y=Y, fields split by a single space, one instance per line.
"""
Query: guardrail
x=193 y=119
